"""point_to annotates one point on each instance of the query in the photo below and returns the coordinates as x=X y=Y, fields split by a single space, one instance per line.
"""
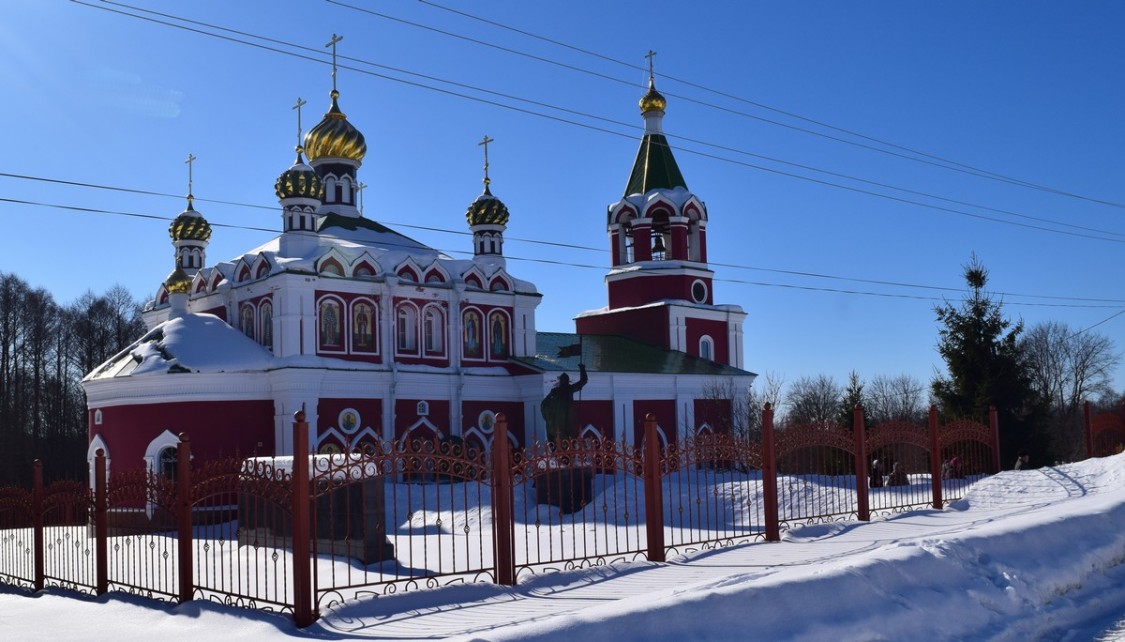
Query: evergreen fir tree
x=986 y=367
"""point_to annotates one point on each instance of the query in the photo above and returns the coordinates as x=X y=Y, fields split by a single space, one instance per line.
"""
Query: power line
x=539 y=260
x=630 y=136
x=942 y=162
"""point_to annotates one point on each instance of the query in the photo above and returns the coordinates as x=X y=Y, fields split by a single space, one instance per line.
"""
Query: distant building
x=378 y=337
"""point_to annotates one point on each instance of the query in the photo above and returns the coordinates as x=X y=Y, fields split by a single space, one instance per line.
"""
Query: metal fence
x=300 y=534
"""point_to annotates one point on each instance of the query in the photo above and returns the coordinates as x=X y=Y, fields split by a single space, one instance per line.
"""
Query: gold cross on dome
x=484 y=142
x=300 y=103
x=332 y=43
x=650 y=55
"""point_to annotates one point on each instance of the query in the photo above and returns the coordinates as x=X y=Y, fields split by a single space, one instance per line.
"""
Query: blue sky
x=818 y=228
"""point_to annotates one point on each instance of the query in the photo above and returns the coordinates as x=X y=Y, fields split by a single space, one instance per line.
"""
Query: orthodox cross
x=650 y=55
x=359 y=188
x=484 y=142
x=189 y=161
x=300 y=103
x=332 y=43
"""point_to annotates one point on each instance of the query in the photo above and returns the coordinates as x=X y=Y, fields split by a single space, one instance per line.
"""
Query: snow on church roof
x=191 y=343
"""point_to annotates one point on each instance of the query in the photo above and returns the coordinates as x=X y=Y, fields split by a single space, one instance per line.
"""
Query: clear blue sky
x=1030 y=91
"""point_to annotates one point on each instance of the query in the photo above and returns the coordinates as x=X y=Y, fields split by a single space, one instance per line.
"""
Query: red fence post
x=302 y=574
x=654 y=492
x=1089 y=430
x=185 y=542
x=769 y=476
x=101 y=523
x=37 y=521
x=935 y=458
x=994 y=425
x=503 y=538
x=862 y=507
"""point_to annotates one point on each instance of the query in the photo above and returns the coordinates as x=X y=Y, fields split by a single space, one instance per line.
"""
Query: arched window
x=471 y=334
x=706 y=348
x=331 y=324
x=406 y=329
x=497 y=335
x=364 y=270
x=265 y=316
x=331 y=267
x=246 y=319
x=167 y=461
x=433 y=329
x=363 y=327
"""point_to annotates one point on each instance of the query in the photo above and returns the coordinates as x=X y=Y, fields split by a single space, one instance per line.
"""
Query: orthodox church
x=378 y=337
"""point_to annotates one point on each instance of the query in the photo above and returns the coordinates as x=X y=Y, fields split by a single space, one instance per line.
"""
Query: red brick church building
x=379 y=337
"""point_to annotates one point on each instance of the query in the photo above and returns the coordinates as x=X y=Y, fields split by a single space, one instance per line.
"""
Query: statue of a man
x=559 y=409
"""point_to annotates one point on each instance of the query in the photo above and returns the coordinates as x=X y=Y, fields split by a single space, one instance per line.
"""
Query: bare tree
x=814 y=400
x=768 y=392
x=727 y=402
x=1067 y=368
x=898 y=398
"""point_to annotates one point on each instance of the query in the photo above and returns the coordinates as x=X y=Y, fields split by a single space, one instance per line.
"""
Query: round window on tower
x=699 y=292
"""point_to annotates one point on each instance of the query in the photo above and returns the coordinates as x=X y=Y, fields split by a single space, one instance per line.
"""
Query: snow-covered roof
x=191 y=343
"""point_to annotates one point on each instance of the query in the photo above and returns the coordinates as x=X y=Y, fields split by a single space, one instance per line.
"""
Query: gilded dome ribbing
x=190 y=226
x=335 y=137
x=653 y=99
x=300 y=180
x=487 y=210
x=178 y=282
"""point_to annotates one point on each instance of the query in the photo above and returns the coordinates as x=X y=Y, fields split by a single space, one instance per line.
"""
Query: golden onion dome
x=487 y=210
x=178 y=282
x=652 y=100
x=300 y=180
x=335 y=137
x=190 y=225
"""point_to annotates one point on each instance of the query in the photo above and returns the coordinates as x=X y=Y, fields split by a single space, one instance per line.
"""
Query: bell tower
x=660 y=286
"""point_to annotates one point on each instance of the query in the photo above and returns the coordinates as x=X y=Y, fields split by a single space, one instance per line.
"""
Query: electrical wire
x=946 y=163
x=1100 y=303
x=318 y=58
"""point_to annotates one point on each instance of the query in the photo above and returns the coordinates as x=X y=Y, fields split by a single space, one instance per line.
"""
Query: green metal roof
x=655 y=167
x=359 y=226
x=558 y=351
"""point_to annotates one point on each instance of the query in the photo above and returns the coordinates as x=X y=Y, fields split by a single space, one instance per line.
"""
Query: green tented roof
x=655 y=167
x=603 y=353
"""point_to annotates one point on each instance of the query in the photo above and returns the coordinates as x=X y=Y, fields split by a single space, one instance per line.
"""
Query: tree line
x=1038 y=378
x=45 y=350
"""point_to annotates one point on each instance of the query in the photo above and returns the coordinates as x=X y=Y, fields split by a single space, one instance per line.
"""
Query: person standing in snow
x=876 y=475
x=897 y=476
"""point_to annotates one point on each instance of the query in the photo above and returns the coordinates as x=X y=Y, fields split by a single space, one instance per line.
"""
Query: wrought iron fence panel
x=69 y=559
x=400 y=516
x=239 y=564
x=712 y=491
x=17 y=538
x=815 y=474
x=900 y=471
x=577 y=502
x=1108 y=434
x=967 y=456
x=141 y=516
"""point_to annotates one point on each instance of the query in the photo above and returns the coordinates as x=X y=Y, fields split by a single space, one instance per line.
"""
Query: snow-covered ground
x=1026 y=555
